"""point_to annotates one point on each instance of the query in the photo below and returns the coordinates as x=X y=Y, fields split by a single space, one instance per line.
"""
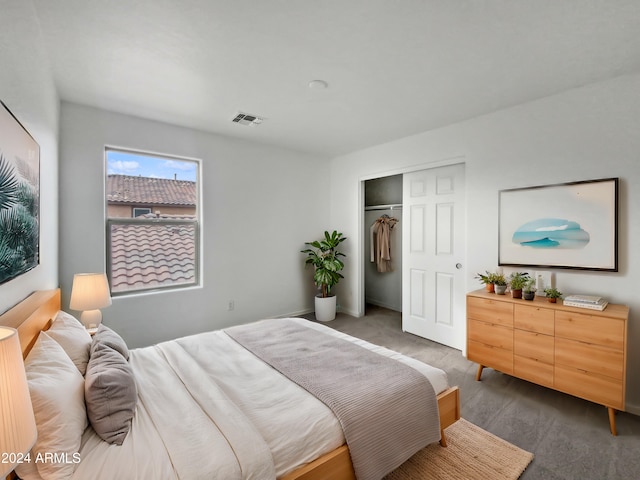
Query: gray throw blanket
x=388 y=410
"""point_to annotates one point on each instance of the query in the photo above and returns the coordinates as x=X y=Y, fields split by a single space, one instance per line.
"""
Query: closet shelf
x=384 y=207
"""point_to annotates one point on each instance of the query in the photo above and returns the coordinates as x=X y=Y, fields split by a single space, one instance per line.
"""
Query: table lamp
x=17 y=424
x=90 y=293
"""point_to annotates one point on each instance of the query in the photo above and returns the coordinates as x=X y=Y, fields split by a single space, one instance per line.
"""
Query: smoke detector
x=247 y=119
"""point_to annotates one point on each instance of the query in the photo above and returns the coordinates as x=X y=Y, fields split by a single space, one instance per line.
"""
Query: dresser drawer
x=533 y=345
x=534 y=319
x=493 y=311
x=594 y=329
x=592 y=358
x=489 y=356
x=533 y=370
x=491 y=334
x=590 y=386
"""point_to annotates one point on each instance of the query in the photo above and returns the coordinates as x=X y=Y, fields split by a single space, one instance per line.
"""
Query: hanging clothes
x=380 y=235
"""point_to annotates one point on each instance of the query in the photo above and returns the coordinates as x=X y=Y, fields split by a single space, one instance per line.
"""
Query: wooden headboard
x=30 y=316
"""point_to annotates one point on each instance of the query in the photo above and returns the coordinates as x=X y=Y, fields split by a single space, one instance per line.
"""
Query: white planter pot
x=325 y=308
x=501 y=289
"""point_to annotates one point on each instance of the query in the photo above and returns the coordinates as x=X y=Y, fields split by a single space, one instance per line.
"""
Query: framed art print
x=19 y=198
x=567 y=225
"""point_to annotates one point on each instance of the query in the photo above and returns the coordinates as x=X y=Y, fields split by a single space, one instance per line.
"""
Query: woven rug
x=472 y=453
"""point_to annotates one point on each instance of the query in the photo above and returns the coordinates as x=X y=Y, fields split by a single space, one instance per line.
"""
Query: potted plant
x=529 y=289
x=488 y=279
x=325 y=258
x=552 y=294
x=517 y=281
x=500 y=283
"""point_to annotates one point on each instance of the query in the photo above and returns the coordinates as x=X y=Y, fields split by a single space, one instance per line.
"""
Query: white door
x=433 y=292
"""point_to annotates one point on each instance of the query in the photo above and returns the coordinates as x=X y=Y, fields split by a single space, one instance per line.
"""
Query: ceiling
x=393 y=67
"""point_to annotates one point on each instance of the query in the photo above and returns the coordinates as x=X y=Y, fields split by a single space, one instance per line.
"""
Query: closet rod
x=384 y=207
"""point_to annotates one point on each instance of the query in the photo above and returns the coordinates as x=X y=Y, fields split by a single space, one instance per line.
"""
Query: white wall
x=586 y=133
x=26 y=87
x=260 y=204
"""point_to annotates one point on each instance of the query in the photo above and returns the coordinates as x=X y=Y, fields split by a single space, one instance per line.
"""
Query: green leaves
x=8 y=185
x=517 y=280
x=18 y=223
x=324 y=257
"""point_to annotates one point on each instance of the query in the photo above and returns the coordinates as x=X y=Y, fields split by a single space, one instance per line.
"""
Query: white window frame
x=136 y=209
x=196 y=223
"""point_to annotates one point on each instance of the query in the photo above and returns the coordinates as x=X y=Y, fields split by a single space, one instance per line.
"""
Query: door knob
x=458 y=266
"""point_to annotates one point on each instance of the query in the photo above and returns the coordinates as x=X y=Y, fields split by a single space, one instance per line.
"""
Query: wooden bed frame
x=337 y=464
x=36 y=313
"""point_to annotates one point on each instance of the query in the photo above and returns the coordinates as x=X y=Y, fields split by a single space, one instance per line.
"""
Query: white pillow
x=57 y=395
x=73 y=338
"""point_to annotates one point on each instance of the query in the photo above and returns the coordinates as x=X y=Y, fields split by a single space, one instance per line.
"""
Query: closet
x=427 y=281
x=382 y=211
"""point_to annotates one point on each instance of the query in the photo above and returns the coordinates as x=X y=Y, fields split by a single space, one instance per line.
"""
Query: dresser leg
x=612 y=421
x=443 y=439
x=479 y=374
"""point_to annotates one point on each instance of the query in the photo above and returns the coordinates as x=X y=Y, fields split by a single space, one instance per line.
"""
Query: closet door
x=433 y=295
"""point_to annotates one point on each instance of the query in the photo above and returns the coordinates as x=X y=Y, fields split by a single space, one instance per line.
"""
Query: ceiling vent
x=247 y=119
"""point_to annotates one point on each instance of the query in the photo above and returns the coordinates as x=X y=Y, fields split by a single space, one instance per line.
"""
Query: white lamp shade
x=17 y=423
x=90 y=291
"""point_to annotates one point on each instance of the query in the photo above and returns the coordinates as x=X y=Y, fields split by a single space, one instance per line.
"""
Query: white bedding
x=210 y=409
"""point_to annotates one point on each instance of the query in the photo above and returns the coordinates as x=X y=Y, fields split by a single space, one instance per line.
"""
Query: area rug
x=472 y=453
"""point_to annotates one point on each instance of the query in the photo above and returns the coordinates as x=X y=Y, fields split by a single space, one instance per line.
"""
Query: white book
x=592 y=306
x=584 y=299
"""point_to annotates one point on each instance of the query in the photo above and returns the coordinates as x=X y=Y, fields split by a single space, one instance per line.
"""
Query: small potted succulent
x=488 y=279
x=529 y=289
x=552 y=294
x=517 y=281
x=500 y=283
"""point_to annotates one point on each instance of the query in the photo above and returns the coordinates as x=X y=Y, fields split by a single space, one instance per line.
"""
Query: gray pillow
x=110 y=394
x=108 y=337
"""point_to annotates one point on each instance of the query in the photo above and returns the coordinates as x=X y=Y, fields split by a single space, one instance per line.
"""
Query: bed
x=297 y=431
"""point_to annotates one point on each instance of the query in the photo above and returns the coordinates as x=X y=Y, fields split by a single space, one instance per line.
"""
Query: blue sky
x=126 y=163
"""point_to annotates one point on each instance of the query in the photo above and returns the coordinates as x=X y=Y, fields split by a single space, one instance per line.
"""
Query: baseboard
x=351 y=313
x=299 y=313
x=633 y=409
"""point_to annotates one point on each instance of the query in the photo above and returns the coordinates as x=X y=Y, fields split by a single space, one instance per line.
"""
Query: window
x=153 y=234
x=138 y=211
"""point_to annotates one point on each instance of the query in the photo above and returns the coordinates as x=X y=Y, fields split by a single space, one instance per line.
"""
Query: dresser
x=577 y=351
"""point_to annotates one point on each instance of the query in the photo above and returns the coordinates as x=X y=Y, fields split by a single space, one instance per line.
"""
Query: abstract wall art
x=567 y=225
x=19 y=198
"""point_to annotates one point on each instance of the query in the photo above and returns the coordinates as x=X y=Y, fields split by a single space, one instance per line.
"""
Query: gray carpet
x=569 y=437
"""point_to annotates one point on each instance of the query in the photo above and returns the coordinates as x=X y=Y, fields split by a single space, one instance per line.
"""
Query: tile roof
x=146 y=255
x=150 y=191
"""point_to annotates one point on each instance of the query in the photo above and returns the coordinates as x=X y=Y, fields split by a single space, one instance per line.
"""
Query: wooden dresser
x=578 y=351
